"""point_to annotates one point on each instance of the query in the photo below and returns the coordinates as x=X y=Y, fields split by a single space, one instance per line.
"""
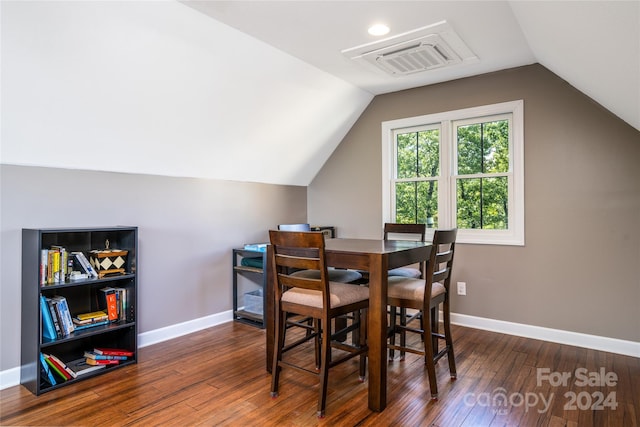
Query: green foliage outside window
x=418 y=164
x=481 y=183
x=482 y=202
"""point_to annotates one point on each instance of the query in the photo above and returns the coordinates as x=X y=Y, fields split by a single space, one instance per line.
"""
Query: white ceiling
x=594 y=45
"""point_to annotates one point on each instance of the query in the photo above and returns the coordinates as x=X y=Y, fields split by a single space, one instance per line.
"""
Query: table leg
x=377 y=333
x=269 y=316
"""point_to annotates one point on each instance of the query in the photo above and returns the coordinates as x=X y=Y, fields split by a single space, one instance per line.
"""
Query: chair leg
x=279 y=340
x=434 y=328
x=317 y=341
x=324 y=368
x=403 y=332
x=448 y=339
x=428 y=356
x=392 y=330
x=355 y=335
x=362 y=339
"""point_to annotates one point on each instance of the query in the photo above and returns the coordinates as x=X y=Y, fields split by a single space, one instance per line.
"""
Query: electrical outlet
x=462 y=288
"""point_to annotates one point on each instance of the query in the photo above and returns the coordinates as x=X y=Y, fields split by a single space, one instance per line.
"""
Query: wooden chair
x=425 y=296
x=412 y=232
x=335 y=275
x=408 y=232
x=319 y=299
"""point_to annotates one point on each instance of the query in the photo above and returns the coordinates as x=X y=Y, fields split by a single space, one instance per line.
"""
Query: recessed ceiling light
x=378 y=30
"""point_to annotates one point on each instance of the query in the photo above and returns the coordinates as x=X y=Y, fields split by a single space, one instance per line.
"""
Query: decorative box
x=108 y=261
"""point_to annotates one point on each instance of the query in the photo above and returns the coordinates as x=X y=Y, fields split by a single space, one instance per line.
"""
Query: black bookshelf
x=82 y=296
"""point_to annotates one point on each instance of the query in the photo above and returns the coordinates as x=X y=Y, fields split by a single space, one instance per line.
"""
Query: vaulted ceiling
x=259 y=90
x=594 y=45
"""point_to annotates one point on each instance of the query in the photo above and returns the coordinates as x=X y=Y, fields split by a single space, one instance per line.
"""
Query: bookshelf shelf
x=81 y=296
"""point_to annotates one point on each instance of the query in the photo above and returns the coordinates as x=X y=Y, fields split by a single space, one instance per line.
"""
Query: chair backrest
x=298 y=250
x=294 y=227
x=416 y=231
x=409 y=232
x=440 y=262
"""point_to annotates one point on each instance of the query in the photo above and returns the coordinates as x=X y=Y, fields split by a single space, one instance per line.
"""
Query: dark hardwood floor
x=217 y=377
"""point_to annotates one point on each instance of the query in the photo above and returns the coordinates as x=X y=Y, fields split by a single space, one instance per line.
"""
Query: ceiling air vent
x=426 y=48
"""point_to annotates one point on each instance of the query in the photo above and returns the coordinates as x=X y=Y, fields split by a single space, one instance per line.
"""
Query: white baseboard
x=184 y=328
x=612 y=345
x=11 y=377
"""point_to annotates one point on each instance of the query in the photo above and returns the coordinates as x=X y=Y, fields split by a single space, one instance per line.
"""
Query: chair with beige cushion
x=318 y=298
x=425 y=296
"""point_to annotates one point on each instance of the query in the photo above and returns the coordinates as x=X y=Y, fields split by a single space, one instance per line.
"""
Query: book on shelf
x=60 y=263
x=53 y=265
x=85 y=264
x=81 y=367
x=123 y=303
x=93 y=355
x=54 y=316
x=112 y=351
x=58 y=369
x=46 y=370
x=91 y=325
x=97 y=362
x=94 y=316
x=48 y=328
x=63 y=365
x=107 y=301
x=44 y=260
x=64 y=314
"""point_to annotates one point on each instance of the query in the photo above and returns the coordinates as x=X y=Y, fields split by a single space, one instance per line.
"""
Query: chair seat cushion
x=342 y=276
x=405 y=272
x=411 y=289
x=341 y=294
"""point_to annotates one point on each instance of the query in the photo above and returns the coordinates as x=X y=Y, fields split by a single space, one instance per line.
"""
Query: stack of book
x=55 y=371
x=89 y=320
x=106 y=356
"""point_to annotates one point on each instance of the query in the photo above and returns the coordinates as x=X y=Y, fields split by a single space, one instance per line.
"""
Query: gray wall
x=187 y=228
x=580 y=268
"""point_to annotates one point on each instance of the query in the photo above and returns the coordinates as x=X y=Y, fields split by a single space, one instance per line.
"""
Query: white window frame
x=447 y=181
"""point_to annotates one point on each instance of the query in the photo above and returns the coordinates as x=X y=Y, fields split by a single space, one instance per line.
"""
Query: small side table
x=251 y=310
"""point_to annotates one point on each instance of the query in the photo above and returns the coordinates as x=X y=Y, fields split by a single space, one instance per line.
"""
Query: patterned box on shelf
x=108 y=261
x=253 y=302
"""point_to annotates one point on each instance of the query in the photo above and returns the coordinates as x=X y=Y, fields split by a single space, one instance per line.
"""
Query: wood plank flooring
x=217 y=377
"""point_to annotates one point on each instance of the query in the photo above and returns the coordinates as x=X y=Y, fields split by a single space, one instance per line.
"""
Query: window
x=459 y=169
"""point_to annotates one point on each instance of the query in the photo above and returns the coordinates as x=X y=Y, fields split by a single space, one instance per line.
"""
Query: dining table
x=376 y=257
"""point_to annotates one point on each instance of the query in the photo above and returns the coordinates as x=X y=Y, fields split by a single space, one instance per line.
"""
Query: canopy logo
x=501 y=401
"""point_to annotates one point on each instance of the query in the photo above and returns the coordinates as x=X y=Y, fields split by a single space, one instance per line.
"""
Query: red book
x=112 y=352
x=101 y=361
x=109 y=303
x=57 y=367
